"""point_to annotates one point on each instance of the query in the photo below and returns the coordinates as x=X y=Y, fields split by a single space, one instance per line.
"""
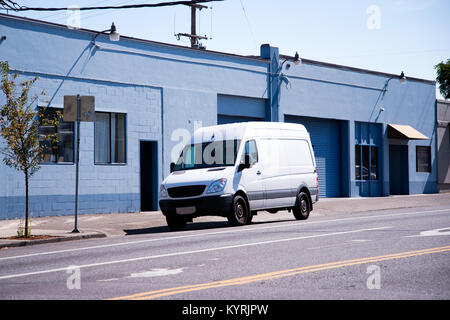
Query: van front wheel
x=301 y=209
x=240 y=212
x=176 y=223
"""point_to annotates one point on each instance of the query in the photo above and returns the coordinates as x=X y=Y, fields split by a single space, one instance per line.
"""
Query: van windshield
x=208 y=155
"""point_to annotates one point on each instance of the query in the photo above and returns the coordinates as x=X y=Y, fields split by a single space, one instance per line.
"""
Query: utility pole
x=193 y=35
x=194 y=40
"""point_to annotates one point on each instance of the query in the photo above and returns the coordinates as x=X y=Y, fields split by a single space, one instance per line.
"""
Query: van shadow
x=193 y=226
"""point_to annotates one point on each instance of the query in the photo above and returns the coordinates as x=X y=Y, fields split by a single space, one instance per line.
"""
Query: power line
x=60 y=13
x=249 y=25
x=90 y=15
x=14 y=6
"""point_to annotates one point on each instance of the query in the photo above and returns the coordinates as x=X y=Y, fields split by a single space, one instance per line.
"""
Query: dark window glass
x=208 y=155
x=373 y=163
x=118 y=137
x=60 y=149
x=423 y=159
x=365 y=162
x=250 y=149
x=358 y=162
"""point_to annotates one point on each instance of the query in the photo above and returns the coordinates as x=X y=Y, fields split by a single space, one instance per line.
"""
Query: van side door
x=276 y=173
x=250 y=178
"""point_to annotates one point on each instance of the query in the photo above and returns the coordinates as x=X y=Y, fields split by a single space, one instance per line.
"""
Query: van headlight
x=217 y=186
x=163 y=192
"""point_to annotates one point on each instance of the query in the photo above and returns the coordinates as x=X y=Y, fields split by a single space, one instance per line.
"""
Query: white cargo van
x=235 y=170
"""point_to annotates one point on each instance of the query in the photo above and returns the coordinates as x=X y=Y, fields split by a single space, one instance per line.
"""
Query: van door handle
x=258 y=172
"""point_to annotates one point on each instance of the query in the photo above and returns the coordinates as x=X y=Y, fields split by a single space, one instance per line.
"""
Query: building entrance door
x=149 y=175
x=398 y=169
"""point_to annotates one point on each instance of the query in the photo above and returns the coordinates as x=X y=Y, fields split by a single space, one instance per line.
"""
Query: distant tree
x=443 y=78
x=19 y=127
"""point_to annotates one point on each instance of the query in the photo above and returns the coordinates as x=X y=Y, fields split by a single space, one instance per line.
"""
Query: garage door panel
x=224 y=119
x=325 y=138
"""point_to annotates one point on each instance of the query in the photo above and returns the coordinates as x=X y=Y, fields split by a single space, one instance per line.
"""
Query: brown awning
x=399 y=131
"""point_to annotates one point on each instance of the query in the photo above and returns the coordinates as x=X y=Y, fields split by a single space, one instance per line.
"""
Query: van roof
x=241 y=129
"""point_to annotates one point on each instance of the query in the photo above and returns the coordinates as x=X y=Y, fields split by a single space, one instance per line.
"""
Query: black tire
x=176 y=223
x=249 y=220
x=302 y=207
x=240 y=213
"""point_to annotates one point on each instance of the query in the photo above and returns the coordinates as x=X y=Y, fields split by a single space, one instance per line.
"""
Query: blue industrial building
x=372 y=134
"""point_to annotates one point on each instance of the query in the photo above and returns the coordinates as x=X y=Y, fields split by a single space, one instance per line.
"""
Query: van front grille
x=186 y=191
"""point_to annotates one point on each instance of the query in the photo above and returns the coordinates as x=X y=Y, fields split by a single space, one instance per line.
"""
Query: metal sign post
x=84 y=112
x=77 y=159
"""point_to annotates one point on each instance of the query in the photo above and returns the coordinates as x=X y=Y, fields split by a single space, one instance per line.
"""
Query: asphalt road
x=389 y=254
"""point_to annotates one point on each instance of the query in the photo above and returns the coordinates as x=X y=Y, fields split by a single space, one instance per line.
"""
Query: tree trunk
x=26 y=203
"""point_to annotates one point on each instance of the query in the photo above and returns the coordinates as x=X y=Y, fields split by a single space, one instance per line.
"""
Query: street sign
x=70 y=109
x=76 y=109
x=87 y=109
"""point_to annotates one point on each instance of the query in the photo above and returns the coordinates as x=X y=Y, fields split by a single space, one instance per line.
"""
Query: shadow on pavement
x=193 y=226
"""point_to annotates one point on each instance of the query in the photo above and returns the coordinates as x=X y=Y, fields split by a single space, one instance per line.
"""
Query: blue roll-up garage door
x=325 y=138
x=240 y=109
x=224 y=119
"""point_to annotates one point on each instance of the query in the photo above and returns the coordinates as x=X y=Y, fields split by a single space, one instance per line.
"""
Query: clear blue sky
x=382 y=35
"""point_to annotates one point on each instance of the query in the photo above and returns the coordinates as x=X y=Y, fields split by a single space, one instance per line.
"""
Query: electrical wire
x=63 y=13
x=90 y=15
x=249 y=26
x=14 y=6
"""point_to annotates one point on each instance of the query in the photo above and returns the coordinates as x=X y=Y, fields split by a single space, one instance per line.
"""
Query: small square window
x=423 y=159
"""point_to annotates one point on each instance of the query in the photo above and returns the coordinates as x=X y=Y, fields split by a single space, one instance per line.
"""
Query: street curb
x=21 y=243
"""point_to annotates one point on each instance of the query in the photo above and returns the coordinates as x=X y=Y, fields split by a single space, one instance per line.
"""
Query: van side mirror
x=246 y=163
x=172 y=167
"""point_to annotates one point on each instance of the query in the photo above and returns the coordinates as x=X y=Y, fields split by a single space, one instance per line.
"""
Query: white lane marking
x=434 y=232
x=189 y=252
x=157 y=272
x=342 y=244
x=233 y=230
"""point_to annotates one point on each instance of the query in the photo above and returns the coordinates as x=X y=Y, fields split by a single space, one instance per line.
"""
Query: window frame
x=370 y=147
x=244 y=152
x=428 y=149
x=74 y=133
x=111 y=140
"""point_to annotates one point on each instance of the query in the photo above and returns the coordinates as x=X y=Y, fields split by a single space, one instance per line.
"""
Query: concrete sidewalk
x=108 y=225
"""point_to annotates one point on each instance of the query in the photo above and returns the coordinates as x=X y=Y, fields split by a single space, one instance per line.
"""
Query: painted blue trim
x=206 y=64
x=335 y=82
x=51 y=205
x=84 y=79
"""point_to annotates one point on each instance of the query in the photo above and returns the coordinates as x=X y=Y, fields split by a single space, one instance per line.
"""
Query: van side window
x=250 y=150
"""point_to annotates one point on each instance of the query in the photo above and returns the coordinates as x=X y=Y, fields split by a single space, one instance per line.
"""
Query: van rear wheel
x=240 y=212
x=302 y=207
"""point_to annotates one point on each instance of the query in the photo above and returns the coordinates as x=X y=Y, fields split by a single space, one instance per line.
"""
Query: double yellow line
x=277 y=274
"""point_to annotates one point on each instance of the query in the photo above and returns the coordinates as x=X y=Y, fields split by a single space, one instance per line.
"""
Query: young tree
x=19 y=127
x=443 y=78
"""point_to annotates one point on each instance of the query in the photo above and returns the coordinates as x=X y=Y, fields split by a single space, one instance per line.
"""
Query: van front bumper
x=219 y=205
